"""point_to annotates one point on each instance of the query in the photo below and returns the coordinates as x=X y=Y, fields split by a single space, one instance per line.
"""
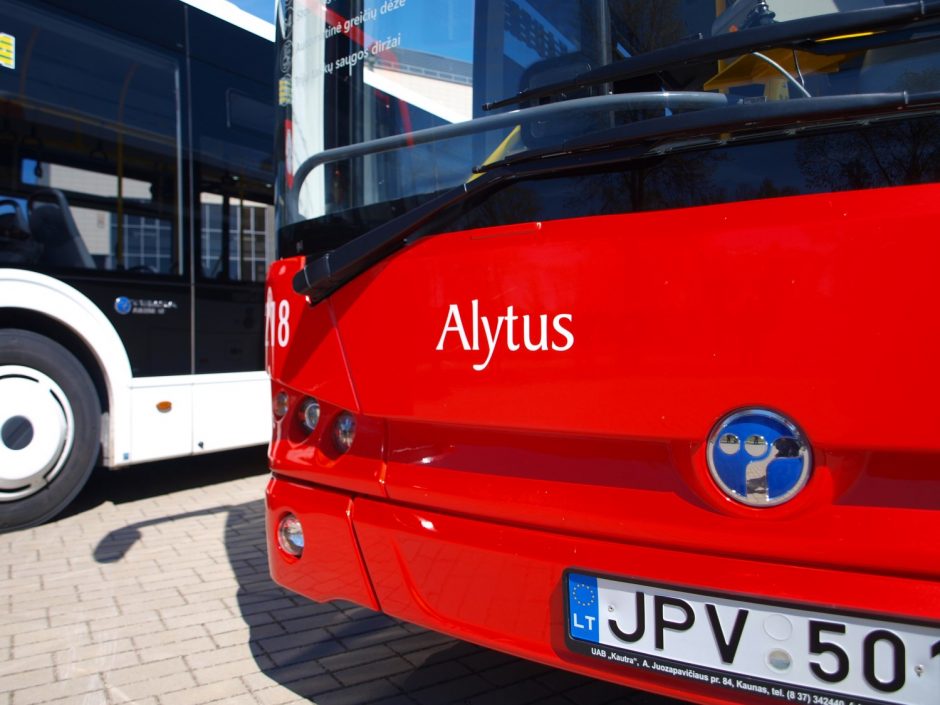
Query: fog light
x=344 y=431
x=290 y=535
x=310 y=413
x=281 y=402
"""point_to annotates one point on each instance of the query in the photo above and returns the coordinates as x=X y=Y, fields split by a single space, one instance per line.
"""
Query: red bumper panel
x=330 y=567
x=503 y=587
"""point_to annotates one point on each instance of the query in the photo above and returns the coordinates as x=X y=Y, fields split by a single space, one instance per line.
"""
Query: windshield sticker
x=7 y=51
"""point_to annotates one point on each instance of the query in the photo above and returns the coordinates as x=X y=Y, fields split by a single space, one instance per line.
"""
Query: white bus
x=136 y=227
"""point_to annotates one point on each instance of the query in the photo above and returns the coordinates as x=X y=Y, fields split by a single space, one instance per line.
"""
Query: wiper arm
x=326 y=273
x=792 y=34
x=734 y=120
x=674 y=100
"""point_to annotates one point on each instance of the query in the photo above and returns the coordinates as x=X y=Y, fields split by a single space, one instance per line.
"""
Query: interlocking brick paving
x=154 y=589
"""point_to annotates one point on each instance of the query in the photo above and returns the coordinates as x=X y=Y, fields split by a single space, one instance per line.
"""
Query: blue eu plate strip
x=583 y=610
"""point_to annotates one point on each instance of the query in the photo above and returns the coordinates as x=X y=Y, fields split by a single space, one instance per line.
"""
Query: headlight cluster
x=344 y=431
x=310 y=414
x=308 y=417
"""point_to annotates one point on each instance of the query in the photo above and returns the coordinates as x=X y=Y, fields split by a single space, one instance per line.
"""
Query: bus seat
x=52 y=224
x=16 y=245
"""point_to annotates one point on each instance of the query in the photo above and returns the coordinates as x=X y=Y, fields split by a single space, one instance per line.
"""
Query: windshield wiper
x=324 y=274
x=733 y=121
x=792 y=34
x=656 y=100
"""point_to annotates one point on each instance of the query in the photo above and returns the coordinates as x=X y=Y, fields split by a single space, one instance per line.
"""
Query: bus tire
x=50 y=428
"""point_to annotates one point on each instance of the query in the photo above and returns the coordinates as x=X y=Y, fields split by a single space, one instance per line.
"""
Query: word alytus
x=535 y=334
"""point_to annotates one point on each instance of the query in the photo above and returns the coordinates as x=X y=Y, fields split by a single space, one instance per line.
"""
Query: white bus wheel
x=50 y=428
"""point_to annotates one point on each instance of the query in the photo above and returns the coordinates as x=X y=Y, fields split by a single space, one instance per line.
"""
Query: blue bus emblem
x=759 y=457
x=123 y=305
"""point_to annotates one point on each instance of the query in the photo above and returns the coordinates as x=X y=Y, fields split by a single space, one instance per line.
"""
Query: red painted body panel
x=593 y=455
x=465 y=577
x=816 y=305
x=327 y=517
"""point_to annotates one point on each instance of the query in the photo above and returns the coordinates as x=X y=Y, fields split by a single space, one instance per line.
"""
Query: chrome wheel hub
x=37 y=431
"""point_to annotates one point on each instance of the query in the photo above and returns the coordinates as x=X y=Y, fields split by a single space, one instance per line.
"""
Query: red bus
x=602 y=335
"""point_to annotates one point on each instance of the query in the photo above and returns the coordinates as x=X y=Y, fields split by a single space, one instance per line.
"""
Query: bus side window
x=52 y=225
x=17 y=247
x=100 y=130
x=233 y=131
x=235 y=236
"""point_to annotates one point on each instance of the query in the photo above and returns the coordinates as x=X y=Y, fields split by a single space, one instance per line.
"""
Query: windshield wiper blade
x=324 y=274
x=330 y=270
x=734 y=120
x=656 y=100
x=791 y=34
x=327 y=272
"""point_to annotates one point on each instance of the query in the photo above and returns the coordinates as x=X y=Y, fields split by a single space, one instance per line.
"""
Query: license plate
x=780 y=651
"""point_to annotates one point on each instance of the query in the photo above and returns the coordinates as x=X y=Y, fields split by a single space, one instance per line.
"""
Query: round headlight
x=310 y=413
x=344 y=431
x=290 y=535
x=281 y=402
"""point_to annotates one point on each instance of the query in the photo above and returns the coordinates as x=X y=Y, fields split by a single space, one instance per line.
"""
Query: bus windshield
x=386 y=102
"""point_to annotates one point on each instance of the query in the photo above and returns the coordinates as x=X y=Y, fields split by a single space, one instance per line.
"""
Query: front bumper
x=501 y=585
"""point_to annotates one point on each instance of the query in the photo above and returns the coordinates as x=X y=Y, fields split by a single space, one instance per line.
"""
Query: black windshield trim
x=791 y=34
x=324 y=274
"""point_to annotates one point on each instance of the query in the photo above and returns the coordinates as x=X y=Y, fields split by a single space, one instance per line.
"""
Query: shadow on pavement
x=158 y=478
x=338 y=653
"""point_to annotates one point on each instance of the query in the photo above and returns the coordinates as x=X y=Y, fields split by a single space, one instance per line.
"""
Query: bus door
x=232 y=123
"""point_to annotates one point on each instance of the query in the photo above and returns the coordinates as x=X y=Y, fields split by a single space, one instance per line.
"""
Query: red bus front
x=609 y=335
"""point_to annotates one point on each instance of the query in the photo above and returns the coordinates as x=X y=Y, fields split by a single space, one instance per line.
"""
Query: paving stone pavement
x=154 y=589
